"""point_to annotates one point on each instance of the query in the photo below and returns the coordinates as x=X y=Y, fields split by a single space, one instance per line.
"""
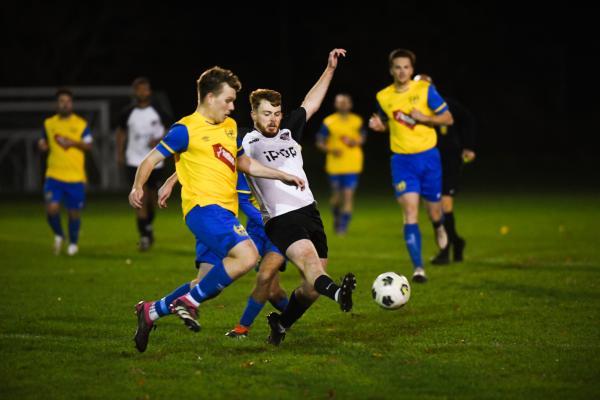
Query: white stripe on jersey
x=280 y=152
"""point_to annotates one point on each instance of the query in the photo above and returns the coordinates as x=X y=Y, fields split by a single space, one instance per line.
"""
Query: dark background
x=528 y=74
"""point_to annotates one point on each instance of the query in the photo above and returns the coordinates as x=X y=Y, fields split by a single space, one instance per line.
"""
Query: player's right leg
x=53 y=194
x=348 y=186
x=304 y=255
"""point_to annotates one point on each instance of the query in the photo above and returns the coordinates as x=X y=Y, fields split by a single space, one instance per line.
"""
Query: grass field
x=519 y=319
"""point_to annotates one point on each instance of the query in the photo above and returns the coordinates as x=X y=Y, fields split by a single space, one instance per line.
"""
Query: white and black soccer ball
x=391 y=290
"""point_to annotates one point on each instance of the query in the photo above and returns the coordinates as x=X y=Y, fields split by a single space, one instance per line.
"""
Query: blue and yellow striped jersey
x=335 y=129
x=406 y=135
x=66 y=165
x=205 y=161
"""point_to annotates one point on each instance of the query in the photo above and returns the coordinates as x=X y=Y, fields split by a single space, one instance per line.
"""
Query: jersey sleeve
x=240 y=147
x=323 y=132
x=295 y=122
x=248 y=208
x=379 y=111
x=435 y=102
x=86 y=135
x=176 y=141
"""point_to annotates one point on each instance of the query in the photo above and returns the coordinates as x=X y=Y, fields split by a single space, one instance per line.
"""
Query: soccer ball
x=391 y=290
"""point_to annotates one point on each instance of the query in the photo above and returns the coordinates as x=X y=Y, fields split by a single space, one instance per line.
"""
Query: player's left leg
x=74 y=200
x=349 y=183
x=53 y=195
x=431 y=191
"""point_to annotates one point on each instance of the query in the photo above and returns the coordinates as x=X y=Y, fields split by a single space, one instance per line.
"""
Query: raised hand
x=334 y=54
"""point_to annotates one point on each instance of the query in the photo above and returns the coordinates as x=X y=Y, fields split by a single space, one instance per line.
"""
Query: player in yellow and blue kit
x=66 y=137
x=341 y=137
x=207 y=159
x=410 y=110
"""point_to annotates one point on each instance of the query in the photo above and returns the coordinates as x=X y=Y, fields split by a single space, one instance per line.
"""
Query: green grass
x=519 y=319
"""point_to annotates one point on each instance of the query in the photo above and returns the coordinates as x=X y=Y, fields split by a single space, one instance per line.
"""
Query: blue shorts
x=216 y=230
x=418 y=173
x=260 y=239
x=343 y=181
x=73 y=194
x=256 y=233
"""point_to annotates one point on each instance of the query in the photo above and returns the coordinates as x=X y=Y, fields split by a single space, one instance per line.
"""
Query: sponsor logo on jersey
x=224 y=155
x=272 y=155
x=404 y=119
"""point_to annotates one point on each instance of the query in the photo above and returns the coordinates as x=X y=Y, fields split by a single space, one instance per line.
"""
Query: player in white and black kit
x=141 y=126
x=292 y=220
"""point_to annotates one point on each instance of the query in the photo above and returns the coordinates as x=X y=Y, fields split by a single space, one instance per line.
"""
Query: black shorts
x=155 y=180
x=451 y=170
x=303 y=223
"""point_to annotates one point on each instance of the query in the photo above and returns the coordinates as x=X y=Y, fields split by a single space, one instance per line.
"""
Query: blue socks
x=345 y=221
x=211 y=285
x=162 y=306
x=74 y=225
x=412 y=237
x=54 y=222
x=280 y=304
x=252 y=310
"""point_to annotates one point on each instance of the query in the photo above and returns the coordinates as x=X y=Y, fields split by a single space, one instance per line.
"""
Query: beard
x=269 y=130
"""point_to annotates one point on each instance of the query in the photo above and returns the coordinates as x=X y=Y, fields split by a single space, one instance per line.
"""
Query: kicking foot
x=345 y=295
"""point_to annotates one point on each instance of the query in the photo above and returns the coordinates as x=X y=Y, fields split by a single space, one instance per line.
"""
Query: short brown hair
x=272 y=96
x=140 y=80
x=397 y=53
x=64 y=91
x=212 y=79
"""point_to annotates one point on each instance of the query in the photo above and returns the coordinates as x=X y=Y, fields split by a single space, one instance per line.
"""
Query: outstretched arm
x=252 y=167
x=316 y=94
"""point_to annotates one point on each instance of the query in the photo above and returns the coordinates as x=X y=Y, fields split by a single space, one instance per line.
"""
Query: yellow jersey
x=205 y=161
x=335 y=129
x=66 y=165
x=407 y=136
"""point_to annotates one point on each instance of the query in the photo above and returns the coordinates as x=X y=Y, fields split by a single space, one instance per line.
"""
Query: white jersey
x=143 y=125
x=280 y=152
